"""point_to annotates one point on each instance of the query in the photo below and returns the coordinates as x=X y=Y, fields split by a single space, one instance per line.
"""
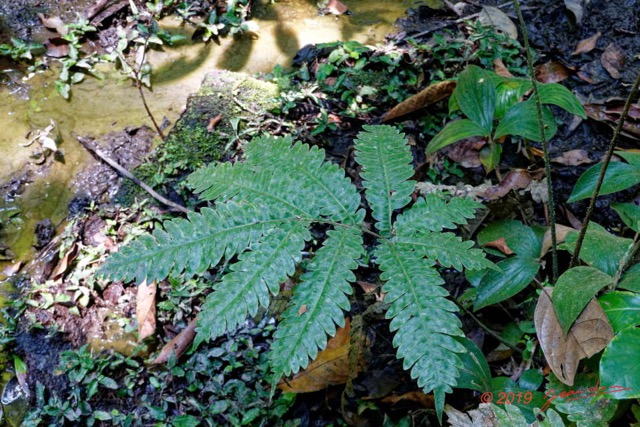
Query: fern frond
x=191 y=246
x=424 y=320
x=434 y=213
x=448 y=249
x=386 y=168
x=279 y=173
x=256 y=274
x=318 y=302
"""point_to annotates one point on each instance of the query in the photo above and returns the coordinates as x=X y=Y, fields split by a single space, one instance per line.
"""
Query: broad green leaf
x=509 y=92
x=631 y=279
x=632 y=158
x=619 y=367
x=556 y=94
x=622 y=308
x=476 y=95
x=522 y=120
x=629 y=213
x=475 y=373
x=619 y=176
x=600 y=248
x=581 y=402
x=185 y=421
x=531 y=379
x=490 y=156
x=454 y=132
x=521 y=239
x=573 y=291
x=496 y=286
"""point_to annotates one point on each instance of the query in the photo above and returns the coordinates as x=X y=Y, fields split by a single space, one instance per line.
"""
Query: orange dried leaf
x=302 y=310
x=501 y=69
x=429 y=95
x=146 y=310
x=177 y=345
x=516 y=179
x=587 y=45
x=499 y=244
x=590 y=334
x=561 y=235
x=552 y=72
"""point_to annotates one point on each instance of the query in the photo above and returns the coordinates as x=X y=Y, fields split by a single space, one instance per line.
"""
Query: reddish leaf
x=56 y=47
x=552 y=72
x=573 y=158
x=430 y=95
x=146 y=310
x=590 y=334
x=610 y=114
x=516 y=179
x=499 y=244
x=177 y=345
x=64 y=263
x=613 y=59
x=336 y=7
x=587 y=45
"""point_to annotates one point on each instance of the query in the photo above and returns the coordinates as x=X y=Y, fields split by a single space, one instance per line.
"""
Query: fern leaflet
x=386 y=168
x=318 y=302
x=433 y=213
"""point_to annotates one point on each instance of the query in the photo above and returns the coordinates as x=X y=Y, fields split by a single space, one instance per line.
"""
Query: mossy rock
x=195 y=140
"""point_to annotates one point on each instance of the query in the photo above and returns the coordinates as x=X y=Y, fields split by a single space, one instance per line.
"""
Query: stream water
x=111 y=104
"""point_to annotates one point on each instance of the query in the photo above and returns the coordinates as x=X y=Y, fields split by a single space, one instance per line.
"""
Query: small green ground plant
x=264 y=208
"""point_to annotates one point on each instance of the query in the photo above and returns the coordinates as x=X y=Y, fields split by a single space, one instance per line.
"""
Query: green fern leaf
x=318 y=302
x=433 y=213
x=285 y=175
x=448 y=249
x=256 y=274
x=424 y=320
x=190 y=246
x=386 y=168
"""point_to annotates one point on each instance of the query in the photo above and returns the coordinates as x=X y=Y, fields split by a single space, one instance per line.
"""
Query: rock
x=14 y=403
x=44 y=233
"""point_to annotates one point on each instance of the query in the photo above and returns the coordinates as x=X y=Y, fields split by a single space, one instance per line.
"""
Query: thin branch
x=122 y=171
x=545 y=145
x=603 y=170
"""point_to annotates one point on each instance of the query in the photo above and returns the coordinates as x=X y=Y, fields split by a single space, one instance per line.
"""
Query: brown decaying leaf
x=429 y=95
x=573 y=158
x=587 y=45
x=516 y=179
x=146 y=309
x=501 y=69
x=610 y=114
x=56 y=47
x=500 y=21
x=552 y=72
x=64 y=263
x=499 y=244
x=12 y=269
x=330 y=367
x=54 y=23
x=561 y=235
x=613 y=59
x=177 y=345
x=590 y=334
x=466 y=152
x=213 y=122
x=424 y=400
x=484 y=416
x=303 y=309
x=336 y=7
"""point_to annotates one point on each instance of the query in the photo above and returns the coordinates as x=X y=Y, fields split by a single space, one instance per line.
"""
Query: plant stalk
x=545 y=145
x=603 y=170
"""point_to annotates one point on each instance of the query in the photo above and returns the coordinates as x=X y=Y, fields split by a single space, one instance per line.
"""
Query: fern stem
x=545 y=145
x=603 y=170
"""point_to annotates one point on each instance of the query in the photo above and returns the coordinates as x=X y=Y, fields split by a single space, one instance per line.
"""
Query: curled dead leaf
x=428 y=96
x=500 y=21
x=561 y=235
x=501 y=69
x=590 y=334
x=54 y=23
x=177 y=345
x=587 y=45
x=501 y=245
x=552 y=72
x=516 y=179
x=613 y=59
x=573 y=158
x=146 y=309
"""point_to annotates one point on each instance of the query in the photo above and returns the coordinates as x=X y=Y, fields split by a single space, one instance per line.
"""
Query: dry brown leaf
x=501 y=69
x=590 y=334
x=499 y=244
x=587 y=45
x=500 y=21
x=146 y=309
x=54 y=23
x=331 y=366
x=177 y=345
x=561 y=235
x=336 y=7
x=466 y=152
x=552 y=72
x=610 y=114
x=64 y=263
x=303 y=309
x=429 y=95
x=424 y=400
x=573 y=158
x=516 y=179
x=56 y=47
x=484 y=416
x=12 y=269
x=613 y=60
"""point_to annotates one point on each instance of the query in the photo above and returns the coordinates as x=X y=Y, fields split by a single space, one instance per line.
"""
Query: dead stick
x=122 y=171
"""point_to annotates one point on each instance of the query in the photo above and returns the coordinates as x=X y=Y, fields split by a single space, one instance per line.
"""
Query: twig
x=122 y=171
x=545 y=145
x=603 y=170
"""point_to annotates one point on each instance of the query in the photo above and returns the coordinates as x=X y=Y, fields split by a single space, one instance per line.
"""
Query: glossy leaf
x=574 y=290
x=600 y=248
x=629 y=213
x=454 y=132
x=522 y=120
x=496 y=286
x=476 y=96
x=509 y=92
x=619 y=176
x=556 y=94
x=619 y=367
x=522 y=240
x=631 y=157
x=622 y=308
x=631 y=279
x=474 y=373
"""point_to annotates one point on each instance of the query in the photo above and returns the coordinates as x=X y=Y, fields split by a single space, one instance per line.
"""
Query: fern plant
x=264 y=208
